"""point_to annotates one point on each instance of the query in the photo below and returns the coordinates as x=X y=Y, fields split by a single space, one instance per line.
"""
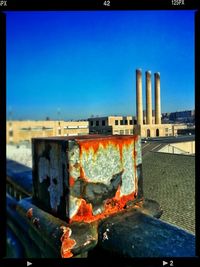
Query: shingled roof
x=170 y=180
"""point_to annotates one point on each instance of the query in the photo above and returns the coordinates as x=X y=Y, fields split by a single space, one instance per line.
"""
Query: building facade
x=23 y=131
x=118 y=125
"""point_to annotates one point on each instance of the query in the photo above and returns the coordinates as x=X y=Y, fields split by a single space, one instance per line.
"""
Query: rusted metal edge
x=47 y=231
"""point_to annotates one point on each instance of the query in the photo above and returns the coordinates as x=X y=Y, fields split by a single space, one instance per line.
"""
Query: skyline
x=84 y=63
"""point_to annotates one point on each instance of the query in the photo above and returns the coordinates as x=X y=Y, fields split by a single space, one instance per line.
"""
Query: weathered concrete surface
x=135 y=234
x=86 y=178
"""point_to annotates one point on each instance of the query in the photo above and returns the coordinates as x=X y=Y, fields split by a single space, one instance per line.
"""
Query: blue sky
x=84 y=63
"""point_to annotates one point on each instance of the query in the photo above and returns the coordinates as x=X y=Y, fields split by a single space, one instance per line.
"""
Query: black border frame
x=90 y=5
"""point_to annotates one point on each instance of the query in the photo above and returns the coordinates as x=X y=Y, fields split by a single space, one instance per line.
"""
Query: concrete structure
x=139 y=108
x=148 y=98
x=23 y=131
x=157 y=99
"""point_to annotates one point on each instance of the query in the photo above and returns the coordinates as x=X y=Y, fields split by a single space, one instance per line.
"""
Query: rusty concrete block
x=86 y=178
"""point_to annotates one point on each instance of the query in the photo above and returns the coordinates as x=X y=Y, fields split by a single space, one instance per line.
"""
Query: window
x=121 y=122
x=148 y=133
x=59 y=131
x=166 y=130
x=157 y=132
x=131 y=131
x=97 y=123
x=10 y=133
x=135 y=121
x=91 y=123
x=126 y=131
x=103 y=123
x=121 y=131
x=131 y=122
x=126 y=122
x=116 y=122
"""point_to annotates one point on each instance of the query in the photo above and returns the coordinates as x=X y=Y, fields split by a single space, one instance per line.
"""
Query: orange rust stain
x=111 y=206
x=117 y=194
x=84 y=212
x=94 y=145
x=71 y=181
x=29 y=213
x=67 y=242
x=119 y=143
x=82 y=174
x=116 y=203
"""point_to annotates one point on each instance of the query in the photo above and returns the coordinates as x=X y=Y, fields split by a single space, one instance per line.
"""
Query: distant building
x=182 y=116
x=127 y=125
x=112 y=125
x=186 y=116
x=23 y=131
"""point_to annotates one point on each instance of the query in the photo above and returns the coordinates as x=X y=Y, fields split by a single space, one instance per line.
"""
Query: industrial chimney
x=139 y=109
x=157 y=98
x=148 y=98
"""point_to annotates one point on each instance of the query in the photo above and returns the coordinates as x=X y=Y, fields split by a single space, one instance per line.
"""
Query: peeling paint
x=105 y=236
x=50 y=168
x=88 y=178
x=67 y=242
x=29 y=213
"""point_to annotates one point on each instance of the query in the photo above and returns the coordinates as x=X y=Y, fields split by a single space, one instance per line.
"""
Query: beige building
x=127 y=125
x=111 y=125
x=20 y=131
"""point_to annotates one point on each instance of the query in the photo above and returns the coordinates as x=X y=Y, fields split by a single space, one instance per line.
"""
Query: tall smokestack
x=157 y=98
x=139 y=109
x=148 y=98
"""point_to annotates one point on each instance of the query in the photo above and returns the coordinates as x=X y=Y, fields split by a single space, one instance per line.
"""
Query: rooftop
x=170 y=180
